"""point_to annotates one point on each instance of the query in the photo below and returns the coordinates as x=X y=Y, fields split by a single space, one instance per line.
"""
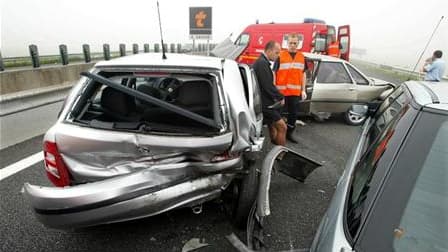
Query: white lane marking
x=20 y=165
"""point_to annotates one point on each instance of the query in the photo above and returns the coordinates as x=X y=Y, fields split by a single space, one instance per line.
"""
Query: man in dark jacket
x=272 y=100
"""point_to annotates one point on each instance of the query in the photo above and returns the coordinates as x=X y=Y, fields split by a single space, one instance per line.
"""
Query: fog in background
x=393 y=32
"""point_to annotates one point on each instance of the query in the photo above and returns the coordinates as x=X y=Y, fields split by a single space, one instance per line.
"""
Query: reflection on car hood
x=227 y=49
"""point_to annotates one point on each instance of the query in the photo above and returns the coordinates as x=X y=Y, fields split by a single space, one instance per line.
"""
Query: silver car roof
x=155 y=59
x=430 y=94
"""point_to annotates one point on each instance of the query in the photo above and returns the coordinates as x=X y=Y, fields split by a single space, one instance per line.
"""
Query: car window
x=395 y=103
x=385 y=113
x=344 y=44
x=409 y=211
x=380 y=133
x=242 y=40
x=245 y=83
x=424 y=222
x=257 y=97
x=310 y=70
x=169 y=102
x=359 y=79
x=332 y=72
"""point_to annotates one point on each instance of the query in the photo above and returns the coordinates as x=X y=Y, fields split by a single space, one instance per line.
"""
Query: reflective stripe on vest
x=291 y=65
x=289 y=76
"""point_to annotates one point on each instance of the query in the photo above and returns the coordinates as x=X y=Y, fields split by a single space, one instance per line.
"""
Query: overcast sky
x=393 y=32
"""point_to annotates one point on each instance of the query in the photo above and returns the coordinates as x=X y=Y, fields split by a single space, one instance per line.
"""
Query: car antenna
x=421 y=55
x=161 y=35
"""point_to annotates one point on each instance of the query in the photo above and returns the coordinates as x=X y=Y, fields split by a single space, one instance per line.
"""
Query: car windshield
x=149 y=102
x=424 y=221
x=242 y=40
x=380 y=132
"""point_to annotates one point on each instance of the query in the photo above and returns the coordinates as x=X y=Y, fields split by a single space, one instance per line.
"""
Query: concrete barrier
x=17 y=80
x=31 y=98
x=26 y=100
x=29 y=113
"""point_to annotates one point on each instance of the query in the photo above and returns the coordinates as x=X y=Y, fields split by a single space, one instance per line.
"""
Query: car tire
x=354 y=119
x=248 y=189
x=240 y=195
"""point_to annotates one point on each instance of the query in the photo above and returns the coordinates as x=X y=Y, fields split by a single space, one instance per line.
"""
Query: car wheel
x=247 y=194
x=353 y=118
x=241 y=194
x=255 y=232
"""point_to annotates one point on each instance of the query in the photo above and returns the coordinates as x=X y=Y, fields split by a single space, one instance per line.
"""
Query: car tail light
x=56 y=170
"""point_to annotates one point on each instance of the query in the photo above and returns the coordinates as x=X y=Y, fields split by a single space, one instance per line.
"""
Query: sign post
x=201 y=24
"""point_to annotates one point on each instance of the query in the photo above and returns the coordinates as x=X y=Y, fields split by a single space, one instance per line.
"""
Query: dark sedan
x=393 y=194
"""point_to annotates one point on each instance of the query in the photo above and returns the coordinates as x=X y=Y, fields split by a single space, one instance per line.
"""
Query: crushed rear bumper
x=125 y=197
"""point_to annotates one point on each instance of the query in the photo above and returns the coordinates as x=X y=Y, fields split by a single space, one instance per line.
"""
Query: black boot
x=291 y=136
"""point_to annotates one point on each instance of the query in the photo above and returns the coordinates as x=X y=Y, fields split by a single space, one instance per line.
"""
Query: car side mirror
x=373 y=107
x=365 y=110
x=360 y=110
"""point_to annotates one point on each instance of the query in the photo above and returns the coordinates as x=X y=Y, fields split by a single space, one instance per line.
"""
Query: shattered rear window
x=151 y=102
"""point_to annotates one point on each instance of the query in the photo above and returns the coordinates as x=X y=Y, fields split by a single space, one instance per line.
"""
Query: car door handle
x=352 y=89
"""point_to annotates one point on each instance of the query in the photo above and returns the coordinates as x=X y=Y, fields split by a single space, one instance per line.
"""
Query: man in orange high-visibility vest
x=334 y=48
x=290 y=81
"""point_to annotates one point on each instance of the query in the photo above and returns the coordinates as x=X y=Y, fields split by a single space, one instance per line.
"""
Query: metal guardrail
x=422 y=74
x=418 y=74
x=36 y=60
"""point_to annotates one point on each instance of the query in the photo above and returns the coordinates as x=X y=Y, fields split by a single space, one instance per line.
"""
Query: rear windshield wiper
x=152 y=100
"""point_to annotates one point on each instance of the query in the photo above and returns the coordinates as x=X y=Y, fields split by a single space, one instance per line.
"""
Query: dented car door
x=252 y=94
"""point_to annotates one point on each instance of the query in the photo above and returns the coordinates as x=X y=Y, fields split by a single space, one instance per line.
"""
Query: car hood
x=227 y=49
x=379 y=82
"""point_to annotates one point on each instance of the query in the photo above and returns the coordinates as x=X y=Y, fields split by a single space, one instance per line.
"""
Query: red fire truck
x=314 y=36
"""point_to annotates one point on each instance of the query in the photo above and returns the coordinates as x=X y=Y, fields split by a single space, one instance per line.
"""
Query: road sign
x=201 y=22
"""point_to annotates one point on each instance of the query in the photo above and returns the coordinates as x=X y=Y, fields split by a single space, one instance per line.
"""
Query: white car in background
x=333 y=85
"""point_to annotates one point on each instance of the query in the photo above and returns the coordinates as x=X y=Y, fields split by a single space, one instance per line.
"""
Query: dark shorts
x=270 y=116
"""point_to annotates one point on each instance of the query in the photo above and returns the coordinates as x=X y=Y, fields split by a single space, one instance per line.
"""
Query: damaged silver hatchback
x=142 y=135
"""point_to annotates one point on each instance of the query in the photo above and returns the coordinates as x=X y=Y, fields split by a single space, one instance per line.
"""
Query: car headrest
x=152 y=91
x=194 y=93
x=115 y=101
